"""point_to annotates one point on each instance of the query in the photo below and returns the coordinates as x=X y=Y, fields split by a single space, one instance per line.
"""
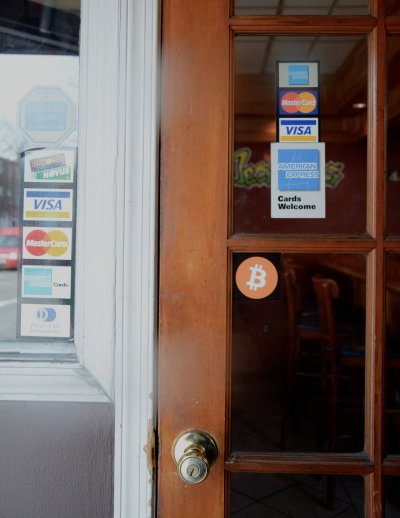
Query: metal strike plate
x=194 y=453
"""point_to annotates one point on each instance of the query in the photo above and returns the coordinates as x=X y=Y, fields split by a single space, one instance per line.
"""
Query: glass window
x=392 y=497
x=297 y=386
x=260 y=495
x=39 y=65
x=393 y=7
x=299 y=7
x=393 y=138
x=392 y=354
x=341 y=89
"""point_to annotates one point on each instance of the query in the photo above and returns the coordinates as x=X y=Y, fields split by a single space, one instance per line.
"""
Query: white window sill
x=49 y=382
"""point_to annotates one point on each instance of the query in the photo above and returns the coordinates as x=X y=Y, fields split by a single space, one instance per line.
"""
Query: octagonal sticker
x=46 y=115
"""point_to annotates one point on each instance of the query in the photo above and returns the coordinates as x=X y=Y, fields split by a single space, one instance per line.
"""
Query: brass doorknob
x=195 y=452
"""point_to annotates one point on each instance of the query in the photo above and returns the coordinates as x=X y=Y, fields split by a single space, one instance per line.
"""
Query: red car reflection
x=9 y=247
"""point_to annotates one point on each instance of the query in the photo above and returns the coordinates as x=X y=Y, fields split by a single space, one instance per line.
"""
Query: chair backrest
x=326 y=290
x=289 y=280
x=297 y=274
x=294 y=276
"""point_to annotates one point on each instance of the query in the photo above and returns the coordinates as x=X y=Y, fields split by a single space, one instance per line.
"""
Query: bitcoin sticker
x=256 y=277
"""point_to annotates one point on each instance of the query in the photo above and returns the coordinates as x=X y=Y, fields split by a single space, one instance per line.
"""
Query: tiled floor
x=256 y=426
x=279 y=496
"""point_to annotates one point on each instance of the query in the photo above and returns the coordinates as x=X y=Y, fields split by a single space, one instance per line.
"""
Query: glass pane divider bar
x=303 y=24
x=306 y=243
x=375 y=317
x=350 y=464
x=392 y=24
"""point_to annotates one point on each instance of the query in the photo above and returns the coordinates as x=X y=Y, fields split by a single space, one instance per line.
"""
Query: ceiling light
x=359 y=106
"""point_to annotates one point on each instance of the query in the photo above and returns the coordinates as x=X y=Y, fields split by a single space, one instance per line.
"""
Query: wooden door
x=224 y=361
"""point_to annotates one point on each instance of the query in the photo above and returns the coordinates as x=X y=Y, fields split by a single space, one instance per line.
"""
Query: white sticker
x=48 y=204
x=47 y=115
x=298 y=129
x=50 y=282
x=297 y=180
x=49 y=165
x=47 y=243
x=46 y=320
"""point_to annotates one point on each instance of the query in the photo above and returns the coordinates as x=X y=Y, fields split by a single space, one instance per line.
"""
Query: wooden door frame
x=197 y=247
x=193 y=285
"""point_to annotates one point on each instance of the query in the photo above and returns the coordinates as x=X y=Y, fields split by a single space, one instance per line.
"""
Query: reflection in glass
x=393 y=138
x=283 y=371
x=343 y=94
x=259 y=495
x=299 y=7
x=392 y=497
x=38 y=48
x=392 y=357
x=393 y=7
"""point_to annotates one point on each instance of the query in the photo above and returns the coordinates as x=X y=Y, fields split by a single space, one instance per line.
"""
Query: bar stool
x=303 y=339
x=338 y=350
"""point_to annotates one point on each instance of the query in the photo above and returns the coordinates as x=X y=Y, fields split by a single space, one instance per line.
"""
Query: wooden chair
x=338 y=350
x=303 y=339
x=338 y=353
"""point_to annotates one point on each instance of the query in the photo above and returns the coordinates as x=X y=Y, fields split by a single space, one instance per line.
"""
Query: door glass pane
x=298 y=385
x=295 y=7
x=392 y=497
x=393 y=7
x=342 y=125
x=295 y=496
x=39 y=68
x=393 y=137
x=392 y=355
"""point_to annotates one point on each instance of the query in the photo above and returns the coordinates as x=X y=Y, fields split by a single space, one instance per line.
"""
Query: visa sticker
x=298 y=130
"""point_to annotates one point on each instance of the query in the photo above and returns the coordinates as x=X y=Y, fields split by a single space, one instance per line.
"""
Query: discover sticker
x=49 y=165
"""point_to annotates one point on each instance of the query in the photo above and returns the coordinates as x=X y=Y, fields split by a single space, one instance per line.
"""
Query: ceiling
x=258 y=54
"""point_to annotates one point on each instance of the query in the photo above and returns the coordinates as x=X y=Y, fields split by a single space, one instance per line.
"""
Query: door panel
x=229 y=364
x=193 y=225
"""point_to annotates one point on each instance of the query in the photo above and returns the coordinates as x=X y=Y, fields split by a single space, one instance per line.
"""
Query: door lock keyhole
x=195 y=452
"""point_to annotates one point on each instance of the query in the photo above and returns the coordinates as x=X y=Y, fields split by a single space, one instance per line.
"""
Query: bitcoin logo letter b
x=257 y=278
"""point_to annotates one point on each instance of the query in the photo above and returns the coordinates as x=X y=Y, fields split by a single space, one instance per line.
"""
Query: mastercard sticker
x=298 y=102
x=47 y=243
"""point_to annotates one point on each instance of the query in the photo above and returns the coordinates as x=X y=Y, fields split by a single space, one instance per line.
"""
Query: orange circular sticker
x=256 y=277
